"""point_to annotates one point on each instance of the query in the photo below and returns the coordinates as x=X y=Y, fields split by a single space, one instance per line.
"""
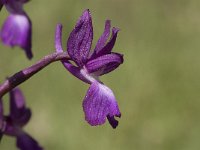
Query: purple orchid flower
x=99 y=102
x=19 y=116
x=17 y=28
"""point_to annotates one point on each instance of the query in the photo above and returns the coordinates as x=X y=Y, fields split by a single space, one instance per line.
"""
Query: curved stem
x=26 y=73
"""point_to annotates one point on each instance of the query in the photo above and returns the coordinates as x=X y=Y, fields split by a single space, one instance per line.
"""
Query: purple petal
x=109 y=46
x=16 y=31
x=9 y=128
x=76 y=71
x=114 y=123
x=58 y=38
x=80 y=39
x=100 y=103
x=18 y=111
x=26 y=142
x=104 y=64
x=103 y=39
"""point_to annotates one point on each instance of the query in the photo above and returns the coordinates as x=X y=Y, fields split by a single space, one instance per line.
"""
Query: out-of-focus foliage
x=157 y=87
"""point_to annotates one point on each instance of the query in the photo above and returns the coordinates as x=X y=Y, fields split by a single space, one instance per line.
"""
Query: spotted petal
x=19 y=114
x=100 y=103
x=80 y=39
x=104 y=64
x=16 y=31
x=26 y=142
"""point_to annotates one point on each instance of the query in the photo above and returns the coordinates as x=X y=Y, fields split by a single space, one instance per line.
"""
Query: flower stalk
x=23 y=75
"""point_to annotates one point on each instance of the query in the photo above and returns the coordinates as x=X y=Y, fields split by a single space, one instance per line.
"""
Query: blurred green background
x=157 y=87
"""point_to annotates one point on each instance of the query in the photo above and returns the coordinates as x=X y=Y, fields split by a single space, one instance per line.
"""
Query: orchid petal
x=109 y=46
x=103 y=39
x=26 y=142
x=18 y=111
x=76 y=71
x=16 y=31
x=10 y=129
x=58 y=38
x=100 y=103
x=80 y=39
x=104 y=64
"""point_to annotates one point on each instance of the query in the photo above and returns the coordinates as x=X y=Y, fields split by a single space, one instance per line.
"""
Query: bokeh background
x=157 y=87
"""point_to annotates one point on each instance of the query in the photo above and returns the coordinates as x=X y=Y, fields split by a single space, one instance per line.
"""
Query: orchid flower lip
x=99 y=104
